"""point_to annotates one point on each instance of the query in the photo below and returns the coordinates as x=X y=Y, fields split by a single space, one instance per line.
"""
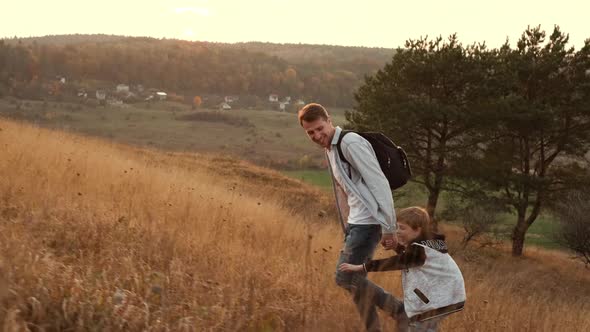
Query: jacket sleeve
x=361 y=157
x=414 y=256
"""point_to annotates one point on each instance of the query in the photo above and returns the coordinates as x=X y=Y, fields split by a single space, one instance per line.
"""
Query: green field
x=320 y=178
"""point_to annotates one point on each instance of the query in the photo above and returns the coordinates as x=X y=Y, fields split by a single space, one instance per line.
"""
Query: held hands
x=389 y=241
x=345 y=267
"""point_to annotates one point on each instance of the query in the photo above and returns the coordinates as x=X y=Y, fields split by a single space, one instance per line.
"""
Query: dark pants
x=392 y=306
x=359 y=245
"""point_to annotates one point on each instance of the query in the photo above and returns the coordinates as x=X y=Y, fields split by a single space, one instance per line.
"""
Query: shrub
x=305 y=162
x=477 y=217
x=477 y=220
x=574 y=232
x=218 y=116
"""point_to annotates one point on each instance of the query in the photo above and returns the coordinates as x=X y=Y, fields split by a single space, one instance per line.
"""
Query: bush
x=93 y=103
x=478 y=217
x=477 y=220
x=574 y=232
x=218 y=116
x=305 y=162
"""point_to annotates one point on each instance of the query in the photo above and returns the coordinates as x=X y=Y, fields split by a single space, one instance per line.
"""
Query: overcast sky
x=382 y=23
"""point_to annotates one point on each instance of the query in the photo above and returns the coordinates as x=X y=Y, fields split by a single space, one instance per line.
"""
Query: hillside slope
x=97 y=236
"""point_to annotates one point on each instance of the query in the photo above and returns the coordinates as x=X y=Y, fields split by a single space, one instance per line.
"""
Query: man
x=368 y=202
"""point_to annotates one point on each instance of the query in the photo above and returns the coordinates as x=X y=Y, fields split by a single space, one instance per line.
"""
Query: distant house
x=231 y=99
x=101 y=95
x=273 y=98
x=225 y=106
x=299 y=102
x=282 y=106
x=161 y=95
x=122 y=88
x=288 y=99
x=115 y=103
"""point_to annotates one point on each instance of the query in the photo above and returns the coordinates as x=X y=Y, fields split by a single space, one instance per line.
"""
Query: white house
x=101 y=95
x=288 y=99
x=282 y=106
x=122 y=88
x=273 y=98
x=225 y=107
x=115 y=103
x=230 y=99
x=161 y=95
x=299 y=102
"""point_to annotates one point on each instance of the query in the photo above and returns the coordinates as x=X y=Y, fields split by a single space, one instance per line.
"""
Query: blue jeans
x=359 y=245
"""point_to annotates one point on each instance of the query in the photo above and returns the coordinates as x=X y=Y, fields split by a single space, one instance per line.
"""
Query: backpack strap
x=342 y=158
x=342 y=133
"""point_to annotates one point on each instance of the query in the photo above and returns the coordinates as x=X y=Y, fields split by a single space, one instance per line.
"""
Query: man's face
x=320 y=131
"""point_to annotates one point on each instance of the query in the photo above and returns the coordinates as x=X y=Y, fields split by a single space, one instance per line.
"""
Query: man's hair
x=312 y=112
x=415 y=217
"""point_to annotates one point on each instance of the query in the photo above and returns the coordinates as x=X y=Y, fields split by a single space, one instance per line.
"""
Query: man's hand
x=389 y=241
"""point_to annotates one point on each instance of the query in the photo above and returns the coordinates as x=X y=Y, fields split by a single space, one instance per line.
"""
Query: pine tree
x=428 y=99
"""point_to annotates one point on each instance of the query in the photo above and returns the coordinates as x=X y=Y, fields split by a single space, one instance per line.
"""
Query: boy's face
x=405 y=233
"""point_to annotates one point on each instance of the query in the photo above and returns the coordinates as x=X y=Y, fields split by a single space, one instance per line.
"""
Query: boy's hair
x=415 y=217
x=312 y=112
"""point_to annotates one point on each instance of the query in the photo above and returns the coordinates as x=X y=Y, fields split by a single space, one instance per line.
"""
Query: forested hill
x=66 y=39
x=293 y=53
x=302 y=53
x=324 y=73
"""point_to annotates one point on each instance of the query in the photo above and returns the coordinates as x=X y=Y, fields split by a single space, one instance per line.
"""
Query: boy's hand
x=345 y=267
x=389 y=241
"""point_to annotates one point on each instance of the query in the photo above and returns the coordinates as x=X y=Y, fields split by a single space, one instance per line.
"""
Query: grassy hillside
x=267 y=138
x=100 y=236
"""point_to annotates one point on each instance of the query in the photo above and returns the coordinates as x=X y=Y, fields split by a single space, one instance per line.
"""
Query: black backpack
x=392 y=158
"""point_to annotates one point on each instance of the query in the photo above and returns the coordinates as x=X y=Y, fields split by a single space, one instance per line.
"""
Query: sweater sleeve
x=414 y=256
x=361 y=157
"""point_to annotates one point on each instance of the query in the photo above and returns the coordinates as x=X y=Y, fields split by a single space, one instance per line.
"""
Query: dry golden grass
x=96 y=236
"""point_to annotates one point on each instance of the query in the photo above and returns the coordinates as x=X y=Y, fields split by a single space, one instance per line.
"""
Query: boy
x=432 y=282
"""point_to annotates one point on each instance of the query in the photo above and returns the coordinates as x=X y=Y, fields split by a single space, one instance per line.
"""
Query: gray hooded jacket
x=366 y=179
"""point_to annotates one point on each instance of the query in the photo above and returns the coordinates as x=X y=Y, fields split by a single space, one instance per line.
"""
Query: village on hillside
x=123 y=95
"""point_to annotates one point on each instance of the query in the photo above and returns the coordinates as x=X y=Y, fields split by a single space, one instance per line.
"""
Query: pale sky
x=381 y=23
